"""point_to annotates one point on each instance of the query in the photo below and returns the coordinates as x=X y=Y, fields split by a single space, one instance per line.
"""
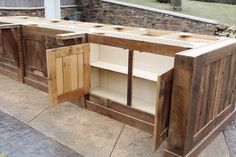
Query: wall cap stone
x=35 y=8
x=167 y=12
x=22 y=8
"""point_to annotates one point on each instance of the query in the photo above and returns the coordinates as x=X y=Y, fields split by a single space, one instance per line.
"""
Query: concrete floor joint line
x=117 y=140
x=226 y=143
x=37 y=115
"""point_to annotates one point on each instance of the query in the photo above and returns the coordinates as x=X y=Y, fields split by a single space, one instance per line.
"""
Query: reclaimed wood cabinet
x=169 y=84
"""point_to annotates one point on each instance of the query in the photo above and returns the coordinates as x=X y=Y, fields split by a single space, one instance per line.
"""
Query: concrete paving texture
x=67 y=129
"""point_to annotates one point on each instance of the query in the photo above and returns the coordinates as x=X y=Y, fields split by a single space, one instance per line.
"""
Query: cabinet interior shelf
x=121 y=98
x=124 y=70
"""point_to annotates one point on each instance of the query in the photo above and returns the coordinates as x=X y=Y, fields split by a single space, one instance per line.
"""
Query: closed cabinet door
x=68 y=72
x=52 y=9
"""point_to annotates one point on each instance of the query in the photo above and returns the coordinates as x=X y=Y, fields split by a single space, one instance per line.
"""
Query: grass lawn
x=223 y=13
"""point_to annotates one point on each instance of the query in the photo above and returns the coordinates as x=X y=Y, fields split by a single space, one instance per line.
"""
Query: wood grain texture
x=130 y=78
x=201 y=96
x=155 y=48
x=68 y=70
x=163 y=101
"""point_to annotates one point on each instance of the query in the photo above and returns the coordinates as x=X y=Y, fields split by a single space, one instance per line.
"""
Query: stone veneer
x=37 y=12
x=22 y=12
x=121 y=13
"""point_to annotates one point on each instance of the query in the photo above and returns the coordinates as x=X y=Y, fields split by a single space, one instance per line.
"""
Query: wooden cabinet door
x=68 y=72
x=162 y=115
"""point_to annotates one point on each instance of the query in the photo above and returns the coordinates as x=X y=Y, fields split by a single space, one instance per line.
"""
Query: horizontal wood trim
x=9 y=73
x=212 y=135
x=161 y=49
x=210 y=126
x=42 y=31
x=142 y=115
x=37 y=78
x=132 y=121
x=7 y=26
x=8 y=67
x=71 y=95
x=36 y=84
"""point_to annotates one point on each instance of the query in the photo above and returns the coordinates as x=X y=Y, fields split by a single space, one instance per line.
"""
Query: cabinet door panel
x=162 y=115
x=68 y=72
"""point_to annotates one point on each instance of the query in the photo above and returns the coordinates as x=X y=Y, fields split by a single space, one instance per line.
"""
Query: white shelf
x=124 y=70
x=121 y=98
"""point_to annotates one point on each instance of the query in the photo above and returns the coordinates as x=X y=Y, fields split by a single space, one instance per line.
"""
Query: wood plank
x=81 y=70
x=38 y=85
x=198 y=148
x=211 y=125
x=142 y=125
x=51 y=66
x=199 y=103
x=50 y=32
x=147 y=75
x=232 y=83
x=137 y=113
x=67 y=36
x=21 y=70
x=66 y=74
x=7 y=26
x=86 y=70
x=217 y=104
x=130 y=78
x=73 y=72
x=203 y=112
x=59 y=76
x=224 y=102
x=11 y=42
x=155 y=48
x=213 y=84
x=162 y=111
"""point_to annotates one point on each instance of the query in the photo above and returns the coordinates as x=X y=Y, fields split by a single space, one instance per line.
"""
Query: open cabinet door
x=162 y=114
x=68 y=72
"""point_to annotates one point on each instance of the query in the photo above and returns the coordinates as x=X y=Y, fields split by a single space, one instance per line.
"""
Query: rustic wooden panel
x=201 y=96
x=35 y=54
x=68 y=68
x=161 y=121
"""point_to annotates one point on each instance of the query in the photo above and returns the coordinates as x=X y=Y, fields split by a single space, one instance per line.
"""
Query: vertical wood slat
x=52 y=87
x=199 y=103
x=203 y=111
x=59 y=76
x=130 y=78
x=81 y=70
x=232 y=90
x=213 y=84
x=219 y=88
x=73 y=72
x=86 y=69
x=66 y=74
x=226 y=78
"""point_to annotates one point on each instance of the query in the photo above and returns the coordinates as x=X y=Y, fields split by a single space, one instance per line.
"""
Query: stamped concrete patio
x=67 y=130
